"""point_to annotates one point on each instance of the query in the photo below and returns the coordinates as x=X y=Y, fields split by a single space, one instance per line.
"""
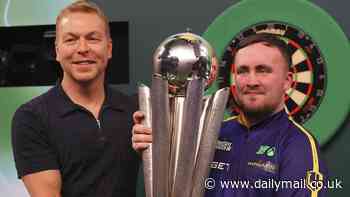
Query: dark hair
x=270 y=40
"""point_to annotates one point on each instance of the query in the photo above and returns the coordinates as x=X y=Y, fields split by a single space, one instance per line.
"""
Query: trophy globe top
x=183 y=57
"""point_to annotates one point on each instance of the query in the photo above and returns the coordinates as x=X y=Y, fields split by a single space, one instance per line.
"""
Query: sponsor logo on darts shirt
x=269 y=151
x=267 y=166
x=219 y=165
x=224 y=145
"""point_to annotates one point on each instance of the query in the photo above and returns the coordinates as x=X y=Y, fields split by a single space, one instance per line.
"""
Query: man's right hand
x=141 y=135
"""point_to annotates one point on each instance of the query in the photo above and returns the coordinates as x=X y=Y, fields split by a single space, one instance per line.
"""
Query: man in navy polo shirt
x=74 y=140
x=262 y=151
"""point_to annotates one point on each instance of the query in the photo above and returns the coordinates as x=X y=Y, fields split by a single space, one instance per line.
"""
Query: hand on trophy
x=141 y=135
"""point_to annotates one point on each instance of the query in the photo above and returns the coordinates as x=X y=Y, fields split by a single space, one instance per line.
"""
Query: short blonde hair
x=83 y=6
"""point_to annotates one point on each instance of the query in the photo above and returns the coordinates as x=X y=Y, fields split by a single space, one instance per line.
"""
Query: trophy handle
x=210 y=124
x=146 y=108
x=161 y=137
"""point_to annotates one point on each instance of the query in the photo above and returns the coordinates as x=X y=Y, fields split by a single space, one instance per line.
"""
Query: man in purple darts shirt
x=262 y=151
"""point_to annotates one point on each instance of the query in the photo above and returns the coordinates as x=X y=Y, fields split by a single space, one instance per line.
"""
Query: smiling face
x=262 y=78
x=83 y=47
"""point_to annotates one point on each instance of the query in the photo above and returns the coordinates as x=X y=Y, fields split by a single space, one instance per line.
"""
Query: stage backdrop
x=18 y=13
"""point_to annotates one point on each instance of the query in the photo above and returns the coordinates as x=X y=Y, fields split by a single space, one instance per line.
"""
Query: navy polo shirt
x=94 y=157
x=276 y=157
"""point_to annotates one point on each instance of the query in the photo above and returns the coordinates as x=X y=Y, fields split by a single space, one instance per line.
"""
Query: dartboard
x=320 y=51
x=308 y=68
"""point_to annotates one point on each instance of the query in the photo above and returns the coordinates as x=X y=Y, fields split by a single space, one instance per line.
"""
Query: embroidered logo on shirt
x=267 y=166
x=224 y=145
x=266 y=150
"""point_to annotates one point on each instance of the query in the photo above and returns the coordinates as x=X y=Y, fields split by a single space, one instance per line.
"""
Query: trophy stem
x=177 y=105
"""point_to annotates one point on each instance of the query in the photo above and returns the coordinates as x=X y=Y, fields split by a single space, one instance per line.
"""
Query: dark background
x=29 y=57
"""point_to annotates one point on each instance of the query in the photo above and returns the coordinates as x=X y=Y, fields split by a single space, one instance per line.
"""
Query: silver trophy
x=184 y=122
